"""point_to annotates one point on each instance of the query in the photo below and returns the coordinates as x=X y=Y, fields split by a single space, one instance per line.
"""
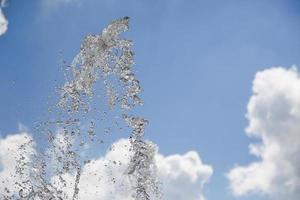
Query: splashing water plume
x=104 y=58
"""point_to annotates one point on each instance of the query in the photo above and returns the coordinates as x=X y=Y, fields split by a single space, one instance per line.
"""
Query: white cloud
x=182 y=176
x=104 y=177
x=9 y=153
x=274 y=117
x=3 y=23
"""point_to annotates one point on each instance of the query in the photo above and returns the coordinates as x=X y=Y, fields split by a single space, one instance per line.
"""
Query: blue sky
x=196 y=61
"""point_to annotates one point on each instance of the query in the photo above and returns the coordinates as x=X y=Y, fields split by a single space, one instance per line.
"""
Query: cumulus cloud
x=104 y=177
x=183 y=176
x=9 y=154
x=274 y=117
x=3 y=22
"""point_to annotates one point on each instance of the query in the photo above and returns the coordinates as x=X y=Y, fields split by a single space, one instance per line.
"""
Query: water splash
x=105 y=58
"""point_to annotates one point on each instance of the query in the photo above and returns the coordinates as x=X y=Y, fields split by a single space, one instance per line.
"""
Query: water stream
x=105 y=60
